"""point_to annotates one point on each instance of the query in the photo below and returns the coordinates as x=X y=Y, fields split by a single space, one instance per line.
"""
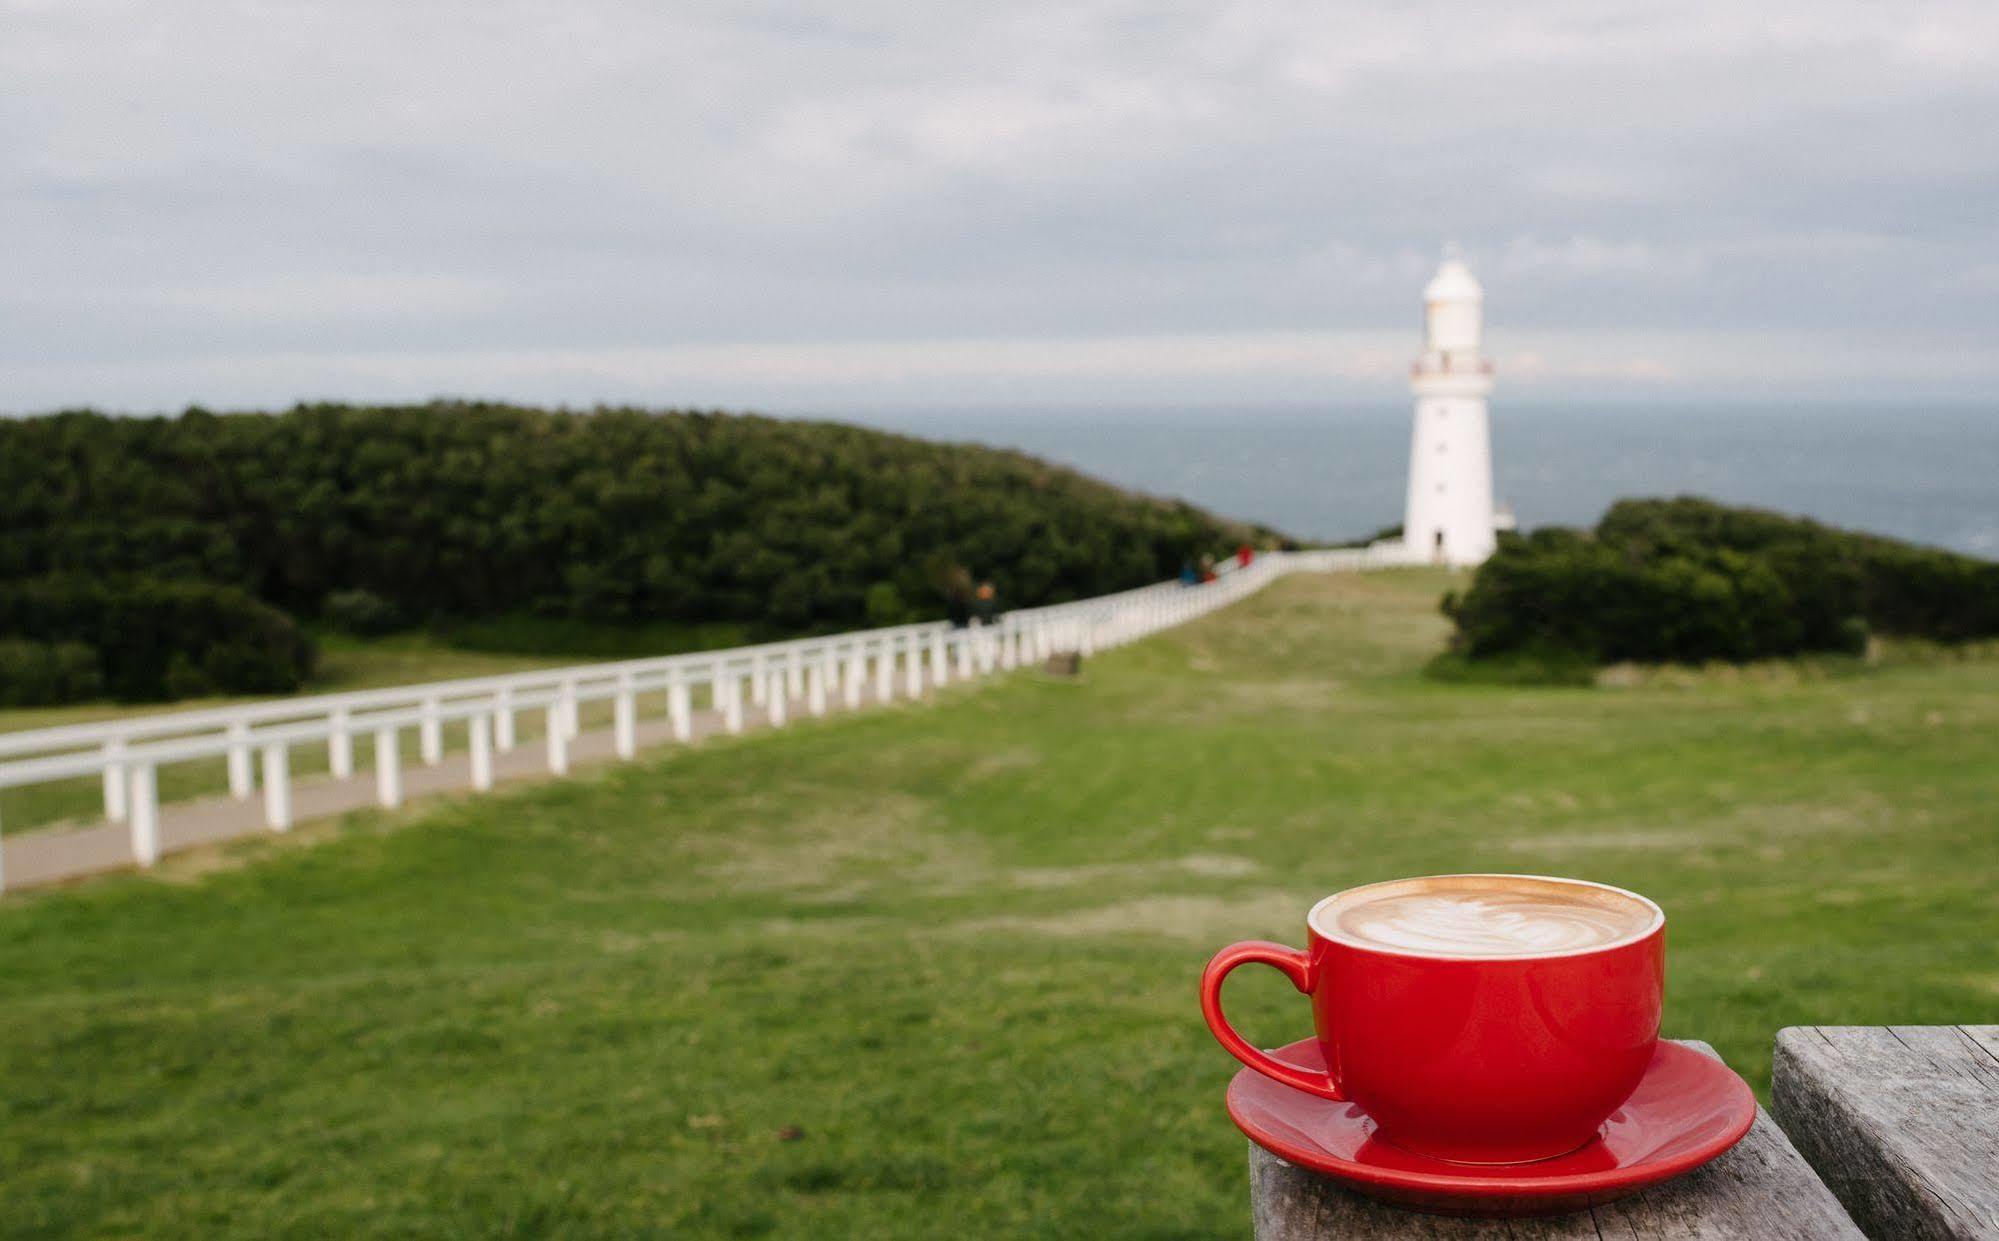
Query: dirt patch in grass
x=1193 y=918
x=1614 y=838
x=1002 y=762
x=1199 y=865
x=850 y=848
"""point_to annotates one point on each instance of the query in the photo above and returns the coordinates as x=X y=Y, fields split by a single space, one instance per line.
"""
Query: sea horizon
x=1923 y=471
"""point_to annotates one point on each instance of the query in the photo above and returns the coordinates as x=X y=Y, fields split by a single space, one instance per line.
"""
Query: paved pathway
x=53 y=855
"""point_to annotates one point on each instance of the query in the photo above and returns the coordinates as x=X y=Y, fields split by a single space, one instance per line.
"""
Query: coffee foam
x=1485 y=916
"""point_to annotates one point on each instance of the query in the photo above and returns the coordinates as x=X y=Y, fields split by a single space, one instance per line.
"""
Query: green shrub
x=1833 y=574
x=1689 y=580
x=1854 y=636
x=40 y=674
x=362 y=613
x=455 y=512
x=155 y=639
x=884 y=606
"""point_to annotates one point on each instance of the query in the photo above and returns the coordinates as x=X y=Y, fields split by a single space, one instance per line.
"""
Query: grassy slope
x=956 y=946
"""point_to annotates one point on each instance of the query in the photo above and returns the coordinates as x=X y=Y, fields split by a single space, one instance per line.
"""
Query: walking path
x=55 y=855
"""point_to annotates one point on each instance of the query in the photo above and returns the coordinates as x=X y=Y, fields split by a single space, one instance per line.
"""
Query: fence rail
x=257 y=740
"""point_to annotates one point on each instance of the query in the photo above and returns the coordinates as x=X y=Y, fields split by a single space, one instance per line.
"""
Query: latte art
x=1492 y=922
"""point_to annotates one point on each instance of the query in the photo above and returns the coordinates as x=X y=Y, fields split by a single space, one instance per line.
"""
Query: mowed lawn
x=931 y=971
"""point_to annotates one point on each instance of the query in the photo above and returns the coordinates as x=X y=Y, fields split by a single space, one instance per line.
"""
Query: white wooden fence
x=258 y=740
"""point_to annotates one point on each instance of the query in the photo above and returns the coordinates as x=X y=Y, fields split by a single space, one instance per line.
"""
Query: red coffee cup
x=1476 y=1059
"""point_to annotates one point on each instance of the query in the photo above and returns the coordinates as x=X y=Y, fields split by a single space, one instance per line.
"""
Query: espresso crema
x=1485 y=916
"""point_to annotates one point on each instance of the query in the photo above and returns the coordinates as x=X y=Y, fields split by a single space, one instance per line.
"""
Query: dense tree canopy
x=1689 y=580
x=453 y=510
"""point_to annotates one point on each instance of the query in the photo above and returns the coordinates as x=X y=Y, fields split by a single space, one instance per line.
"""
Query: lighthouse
x=1449 y=518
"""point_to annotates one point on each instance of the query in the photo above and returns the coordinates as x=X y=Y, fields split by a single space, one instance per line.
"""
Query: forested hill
x=453 y=510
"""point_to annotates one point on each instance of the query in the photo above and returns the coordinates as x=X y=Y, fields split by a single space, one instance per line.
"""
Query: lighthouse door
x=1438 y=546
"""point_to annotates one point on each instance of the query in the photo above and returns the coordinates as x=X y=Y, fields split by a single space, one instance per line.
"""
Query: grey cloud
x=246 y=202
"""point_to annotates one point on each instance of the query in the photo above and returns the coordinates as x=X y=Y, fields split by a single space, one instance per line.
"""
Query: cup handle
x=1297 y=966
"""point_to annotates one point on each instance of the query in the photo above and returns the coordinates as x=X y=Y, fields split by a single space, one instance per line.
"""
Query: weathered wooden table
x=1896 y=1125
x=1901 y=1121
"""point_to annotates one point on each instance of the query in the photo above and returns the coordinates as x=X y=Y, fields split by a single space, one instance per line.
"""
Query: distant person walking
x=958 y=597
x=1207 y=567
x=1189 y=575
x=985 y=603
x=1244 y=555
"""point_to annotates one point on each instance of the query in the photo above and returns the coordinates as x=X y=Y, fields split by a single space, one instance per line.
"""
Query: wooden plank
x=1760 y=1189
x=1901 y=1121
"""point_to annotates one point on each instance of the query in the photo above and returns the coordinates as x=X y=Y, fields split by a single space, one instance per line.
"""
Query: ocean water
x=1927 y=474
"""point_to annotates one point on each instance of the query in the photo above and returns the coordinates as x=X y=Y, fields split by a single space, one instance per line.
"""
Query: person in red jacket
x=1243 y=555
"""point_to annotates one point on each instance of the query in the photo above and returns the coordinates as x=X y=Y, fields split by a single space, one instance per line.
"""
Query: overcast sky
x=1032 y=202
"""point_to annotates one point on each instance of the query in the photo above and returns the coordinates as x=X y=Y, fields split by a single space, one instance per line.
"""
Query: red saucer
x=1688 y=1109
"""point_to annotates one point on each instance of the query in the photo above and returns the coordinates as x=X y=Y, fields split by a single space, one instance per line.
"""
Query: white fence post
x=114 y=781
x=884 y=670
x=388 y=769
x=277 y=787
x=731 y=686
x=145 y=812
x=339 y=745
x=794 y=672
x=939 y=663
x=775 y=699
x=856 y=672
x=624 y=717
x=430 y=734
x=481 y=740
x=912 y=665
x=678 y=708
x=558 y=739
x=503 y=719
x=815 y=687
x=240 y=781
x=571 y=716
x=757 y=674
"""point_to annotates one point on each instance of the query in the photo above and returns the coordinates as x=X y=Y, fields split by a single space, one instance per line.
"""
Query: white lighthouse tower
x=1449 y=519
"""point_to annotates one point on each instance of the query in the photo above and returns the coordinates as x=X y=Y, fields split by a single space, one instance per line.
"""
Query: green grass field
x=932 y=970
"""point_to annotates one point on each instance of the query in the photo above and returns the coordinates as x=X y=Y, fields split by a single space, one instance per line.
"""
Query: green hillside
x=492 y=519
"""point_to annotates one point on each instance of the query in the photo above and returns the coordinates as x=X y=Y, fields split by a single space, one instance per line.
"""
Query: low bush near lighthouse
x=1689 y=580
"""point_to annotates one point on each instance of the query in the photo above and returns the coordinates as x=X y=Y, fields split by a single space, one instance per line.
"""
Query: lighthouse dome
x=1453 y=283
x=1453 y=309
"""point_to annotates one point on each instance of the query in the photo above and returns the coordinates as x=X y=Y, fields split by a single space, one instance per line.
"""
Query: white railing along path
x=257 y=740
